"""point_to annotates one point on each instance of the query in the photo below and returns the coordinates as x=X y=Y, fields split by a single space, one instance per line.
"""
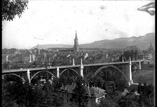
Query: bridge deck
x=68 y=66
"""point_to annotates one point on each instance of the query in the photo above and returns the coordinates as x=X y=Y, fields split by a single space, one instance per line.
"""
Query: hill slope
x=143 y=42
x=46 y=46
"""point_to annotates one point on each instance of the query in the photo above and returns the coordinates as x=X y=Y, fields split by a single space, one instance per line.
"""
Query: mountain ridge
x=142 y=42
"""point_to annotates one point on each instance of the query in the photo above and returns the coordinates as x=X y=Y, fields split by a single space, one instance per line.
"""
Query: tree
x=107 y=102
x=50 y=98
x=79 y=95
x=5 y=65
x=57 y=84
x=131 y=51
x=7 y=101
x=11 y=8
x=146 y=95
x=129 y=101
x=97 y=81
x=25 y=95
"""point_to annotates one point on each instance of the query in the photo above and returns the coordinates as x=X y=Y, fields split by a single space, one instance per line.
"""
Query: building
x=149 y=53
x=94 y=94
x=150 y=49
x=76 y=47
x=148 y=62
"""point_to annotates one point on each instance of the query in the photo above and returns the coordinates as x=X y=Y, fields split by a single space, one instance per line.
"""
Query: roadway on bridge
x=68 y=66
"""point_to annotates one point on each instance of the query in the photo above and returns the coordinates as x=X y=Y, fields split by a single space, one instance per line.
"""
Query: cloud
x=121 y=34
x=102 y=7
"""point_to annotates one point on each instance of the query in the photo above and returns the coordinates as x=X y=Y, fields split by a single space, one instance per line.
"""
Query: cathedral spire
x=76 y=34
x=150 y=47
x=76 y=48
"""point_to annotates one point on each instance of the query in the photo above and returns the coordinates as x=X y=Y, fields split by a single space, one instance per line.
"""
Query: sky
x=55 y=22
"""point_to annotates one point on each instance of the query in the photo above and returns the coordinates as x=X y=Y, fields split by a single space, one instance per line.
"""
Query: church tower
x=150 y=49
x=76 y=48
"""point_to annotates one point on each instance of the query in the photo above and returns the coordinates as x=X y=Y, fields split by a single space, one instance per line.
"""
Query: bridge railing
x=54 y=67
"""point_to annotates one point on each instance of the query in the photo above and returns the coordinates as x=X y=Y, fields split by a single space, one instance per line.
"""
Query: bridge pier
x=81 y=69
x=130 y=72
x=73 y=62
x=30 y=58
x=122 y=59
x=58 y=72
x=7 y=59
x=28 y=75
x=139 y=65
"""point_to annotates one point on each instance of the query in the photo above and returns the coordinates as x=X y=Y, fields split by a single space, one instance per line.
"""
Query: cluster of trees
x=143 y=97
x=130 y=52
x=15 y=94
x=11 y=8
x=18 y=94
x=79 y=95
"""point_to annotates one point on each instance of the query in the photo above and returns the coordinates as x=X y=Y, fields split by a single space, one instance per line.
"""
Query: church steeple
x=76 y=48
x=150 y=47
x=76 y=35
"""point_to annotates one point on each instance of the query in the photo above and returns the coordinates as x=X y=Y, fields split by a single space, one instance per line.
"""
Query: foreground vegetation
x=17 y=94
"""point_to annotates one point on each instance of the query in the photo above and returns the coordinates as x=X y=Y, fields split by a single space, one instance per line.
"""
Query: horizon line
x=79 y=44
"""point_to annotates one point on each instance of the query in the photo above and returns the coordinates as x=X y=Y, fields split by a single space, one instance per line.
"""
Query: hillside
x=46 y=46
x=142 y=42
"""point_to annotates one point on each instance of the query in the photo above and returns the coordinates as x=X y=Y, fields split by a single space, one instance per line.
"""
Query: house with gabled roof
x=94 y=94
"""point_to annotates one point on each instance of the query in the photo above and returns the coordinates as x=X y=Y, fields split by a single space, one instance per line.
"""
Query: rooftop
x=91 y=91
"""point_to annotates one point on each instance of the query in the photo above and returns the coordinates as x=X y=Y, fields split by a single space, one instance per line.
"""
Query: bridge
x=124 y=68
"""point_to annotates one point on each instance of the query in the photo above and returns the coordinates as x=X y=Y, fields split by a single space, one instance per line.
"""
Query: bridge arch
x=40 y=72
x=12 y=74
x=69 y=69
x=110 y=66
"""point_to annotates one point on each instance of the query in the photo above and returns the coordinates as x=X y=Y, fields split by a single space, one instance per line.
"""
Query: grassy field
x=144 y=76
